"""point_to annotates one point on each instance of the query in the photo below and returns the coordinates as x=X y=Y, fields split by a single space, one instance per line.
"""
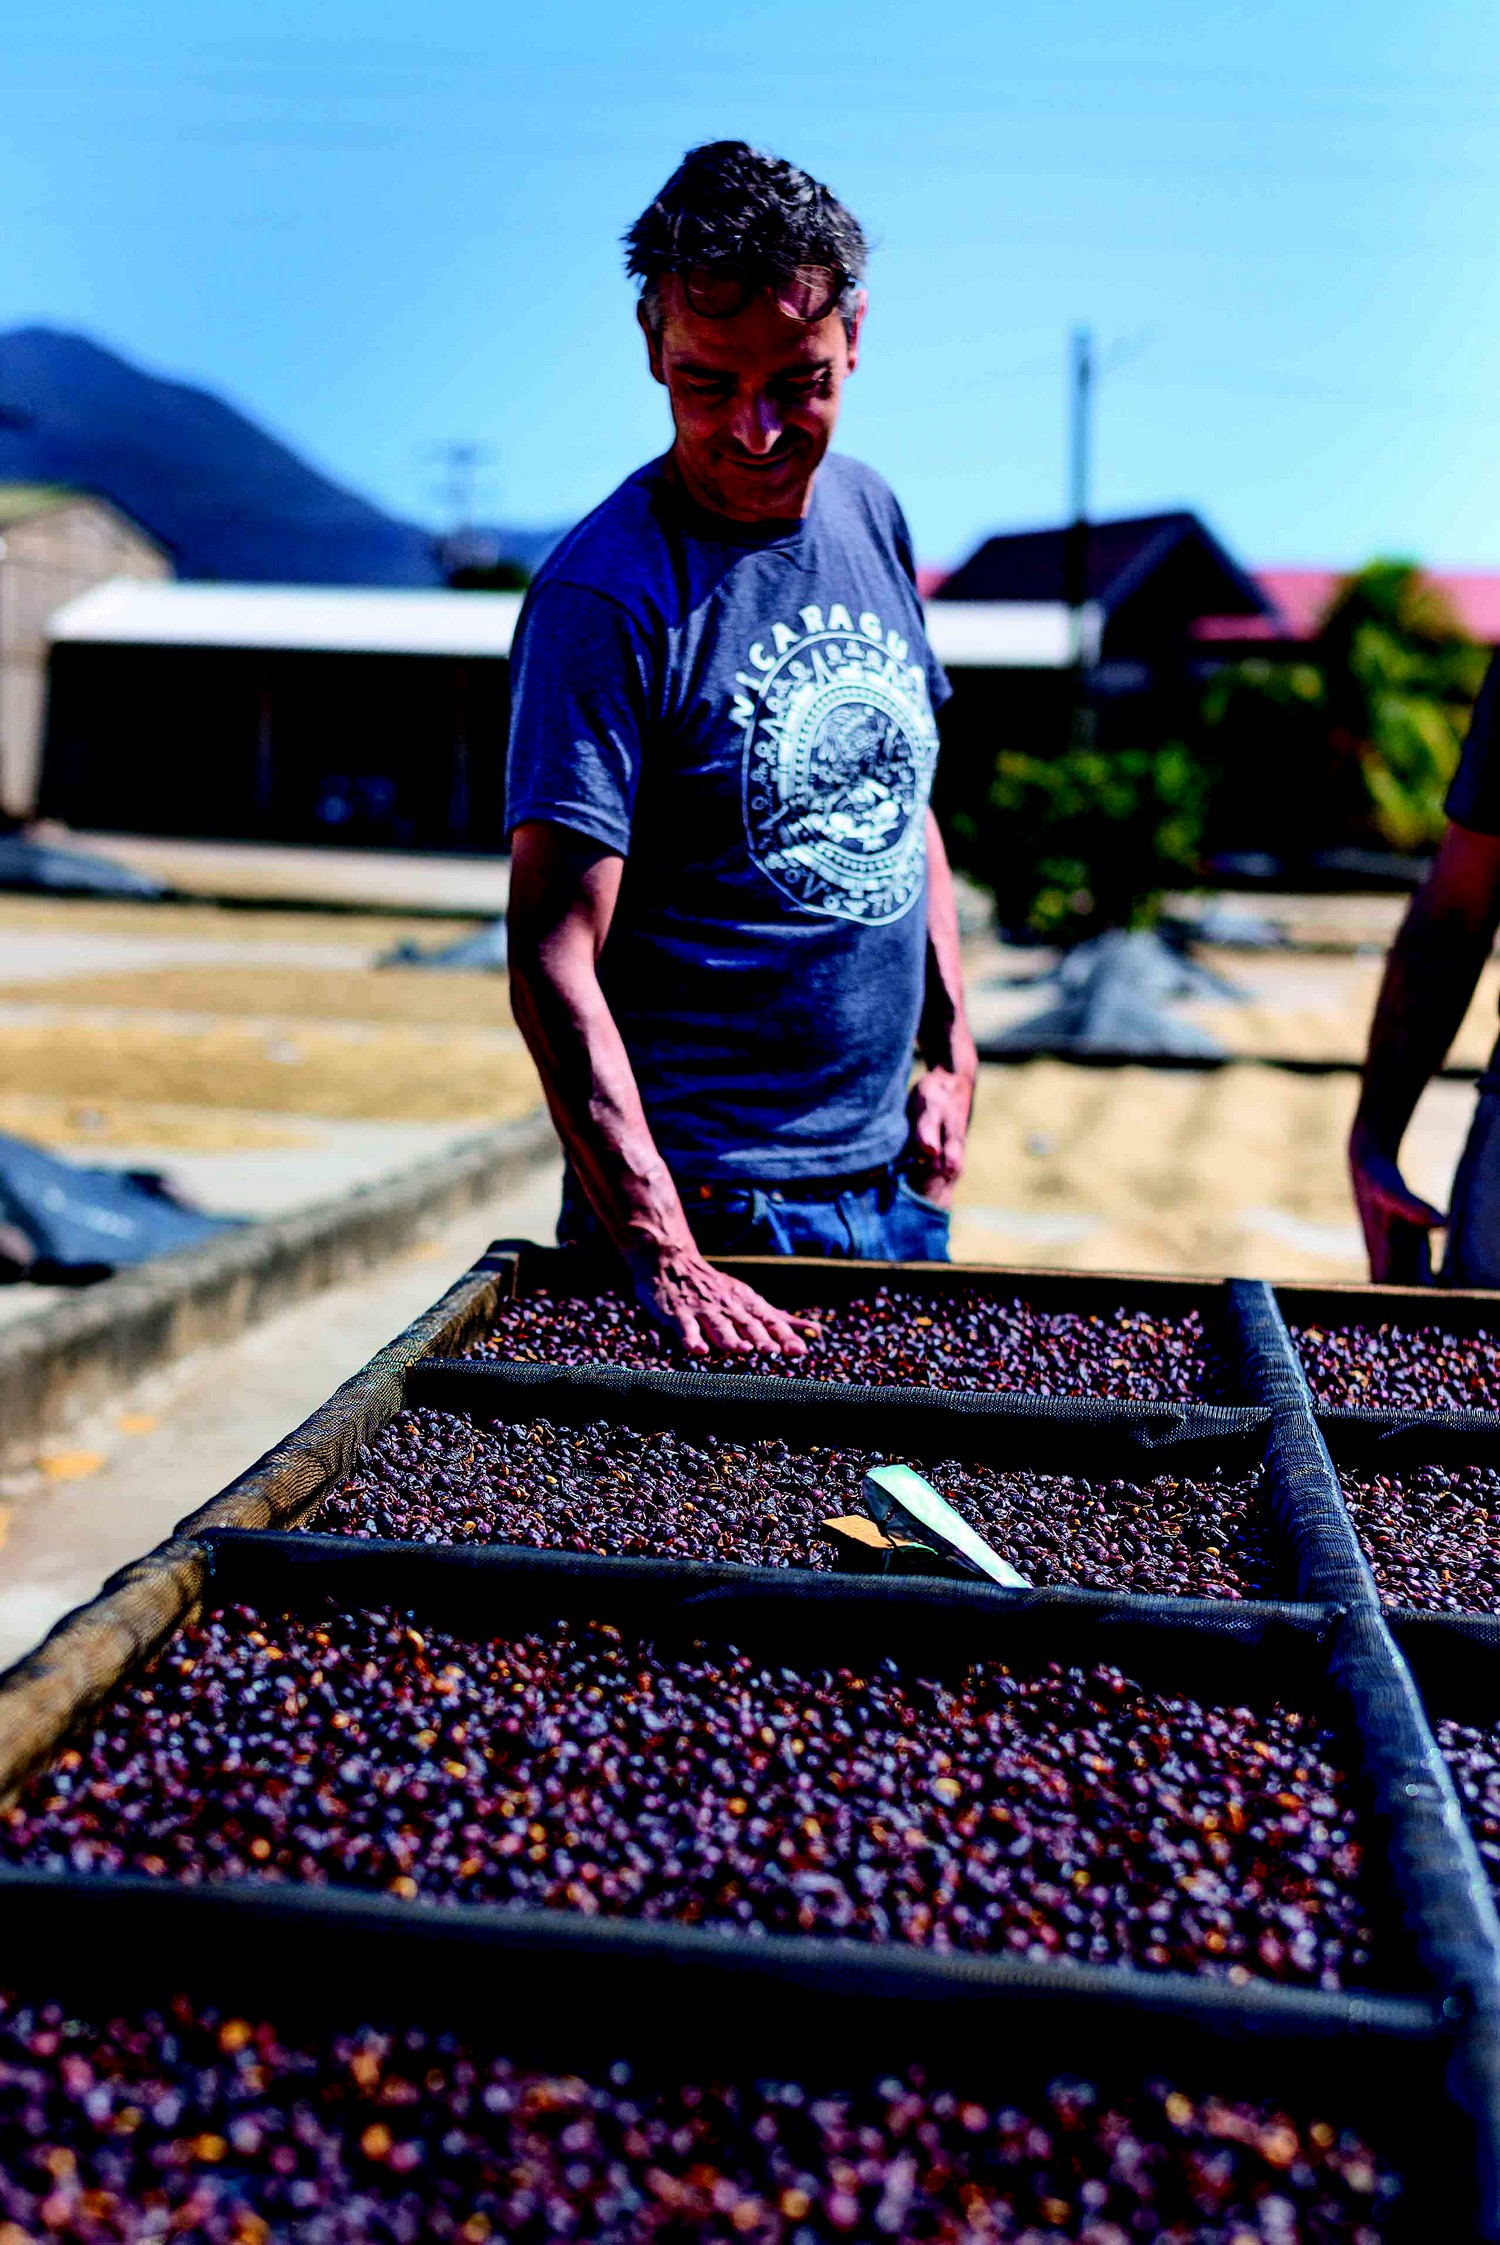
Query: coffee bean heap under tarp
x=1114 y=992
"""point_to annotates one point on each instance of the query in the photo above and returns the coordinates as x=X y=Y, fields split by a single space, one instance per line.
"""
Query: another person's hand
x=938 y=1114
x=1397 y=1222
x=709 y=1309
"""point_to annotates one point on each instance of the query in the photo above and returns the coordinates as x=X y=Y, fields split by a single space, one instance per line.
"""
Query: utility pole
x=459 y=546
x=1076 y=536
x=463 y=462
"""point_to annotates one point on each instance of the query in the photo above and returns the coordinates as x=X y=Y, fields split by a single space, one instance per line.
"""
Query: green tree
x=1399 y=679
x=1358 y=741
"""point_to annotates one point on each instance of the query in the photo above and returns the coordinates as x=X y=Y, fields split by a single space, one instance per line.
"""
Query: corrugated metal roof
x=1010 y=635
x=1007 y=634
x=312 y=619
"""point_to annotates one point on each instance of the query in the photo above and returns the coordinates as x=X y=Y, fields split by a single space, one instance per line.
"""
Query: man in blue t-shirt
x=732 y=921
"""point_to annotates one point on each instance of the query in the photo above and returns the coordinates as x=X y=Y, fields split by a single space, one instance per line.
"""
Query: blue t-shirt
x=749 y=720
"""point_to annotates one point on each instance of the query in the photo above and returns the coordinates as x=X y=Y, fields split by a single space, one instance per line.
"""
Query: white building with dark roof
x=54 y=544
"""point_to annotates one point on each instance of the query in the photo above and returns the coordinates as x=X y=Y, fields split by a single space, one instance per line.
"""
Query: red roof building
x=1300 y=598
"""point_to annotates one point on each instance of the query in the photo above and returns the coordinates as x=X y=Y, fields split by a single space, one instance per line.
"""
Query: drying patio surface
x=222 y=929
x=271 y=872
x=1307 y=1007
x=277 y=992
x=262 y=1057
x=339 y=1071
x=1319 y=1009
x=1238 y=1170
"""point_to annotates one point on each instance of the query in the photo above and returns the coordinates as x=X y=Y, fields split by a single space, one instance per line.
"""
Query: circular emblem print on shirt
x=840 y=745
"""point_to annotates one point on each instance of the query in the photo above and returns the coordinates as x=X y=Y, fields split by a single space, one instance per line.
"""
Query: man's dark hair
x=727 y=204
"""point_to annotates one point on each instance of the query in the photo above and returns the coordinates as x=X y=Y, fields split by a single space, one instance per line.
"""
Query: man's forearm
x=943 y=1038
x=563 y=893
x=1430 y=979
x=595 y=1102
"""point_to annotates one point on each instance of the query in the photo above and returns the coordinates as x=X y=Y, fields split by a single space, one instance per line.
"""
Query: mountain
x=225 y=499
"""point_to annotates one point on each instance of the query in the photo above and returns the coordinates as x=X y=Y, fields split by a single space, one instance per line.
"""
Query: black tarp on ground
x=84 y=1223
x=484 y=952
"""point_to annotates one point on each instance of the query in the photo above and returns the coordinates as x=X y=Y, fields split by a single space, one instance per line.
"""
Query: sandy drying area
x=1298 y=1008
x=261 y=1058
x=200 y=1028
x=1237 y=1170
x=355 y=935
x=406 y=996
x=341 y=1071
x=1291 y=1006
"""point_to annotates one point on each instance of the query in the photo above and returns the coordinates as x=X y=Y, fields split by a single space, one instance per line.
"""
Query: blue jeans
x=878 y=1217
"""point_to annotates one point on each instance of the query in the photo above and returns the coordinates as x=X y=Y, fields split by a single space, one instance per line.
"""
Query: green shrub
x=1085 y=840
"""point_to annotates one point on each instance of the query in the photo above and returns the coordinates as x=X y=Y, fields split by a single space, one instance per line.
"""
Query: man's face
x=754 y=398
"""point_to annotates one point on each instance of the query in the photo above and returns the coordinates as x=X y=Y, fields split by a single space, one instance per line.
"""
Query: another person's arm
x=563 y=891
x=1430 y=979
x=943 y=1096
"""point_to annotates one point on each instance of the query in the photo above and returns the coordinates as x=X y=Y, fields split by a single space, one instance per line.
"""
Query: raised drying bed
x=1322 y=1911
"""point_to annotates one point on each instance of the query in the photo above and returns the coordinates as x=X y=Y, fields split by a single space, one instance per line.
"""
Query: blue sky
x=378 y=230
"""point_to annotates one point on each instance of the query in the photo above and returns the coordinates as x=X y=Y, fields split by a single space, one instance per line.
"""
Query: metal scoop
x=895 y=1494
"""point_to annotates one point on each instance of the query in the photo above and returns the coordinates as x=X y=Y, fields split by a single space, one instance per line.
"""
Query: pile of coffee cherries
x=963 y=1339
x=1431 y=1534
x=190 y=2122
x=1064 y=1814
x=1472 y=1753
x=1399 y=1367
x=435 y=1477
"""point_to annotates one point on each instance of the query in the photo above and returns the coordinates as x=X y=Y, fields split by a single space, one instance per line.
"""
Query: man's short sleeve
x=1474 y=797
x=580 y=697
x=939 y=687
